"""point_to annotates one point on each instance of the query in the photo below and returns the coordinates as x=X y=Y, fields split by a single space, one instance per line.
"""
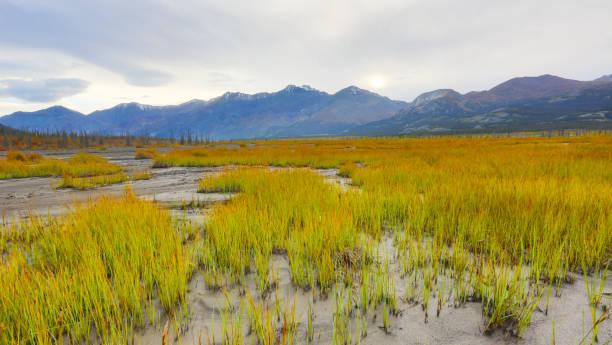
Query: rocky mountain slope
x=528 y=103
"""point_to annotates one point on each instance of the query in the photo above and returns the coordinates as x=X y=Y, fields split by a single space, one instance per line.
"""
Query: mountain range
x=292 y=111
x=525 y=103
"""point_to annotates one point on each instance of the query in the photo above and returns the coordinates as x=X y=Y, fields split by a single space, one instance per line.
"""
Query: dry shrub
x=146 y=154
x=16 y=156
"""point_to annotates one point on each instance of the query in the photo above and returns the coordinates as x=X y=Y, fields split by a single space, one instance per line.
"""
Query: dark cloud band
x=43 y=90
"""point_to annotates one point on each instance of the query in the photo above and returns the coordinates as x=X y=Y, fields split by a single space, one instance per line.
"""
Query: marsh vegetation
x=509 y=225
x=20 y=165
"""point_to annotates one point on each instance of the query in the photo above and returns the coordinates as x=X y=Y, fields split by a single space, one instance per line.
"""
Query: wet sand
x=462 y=325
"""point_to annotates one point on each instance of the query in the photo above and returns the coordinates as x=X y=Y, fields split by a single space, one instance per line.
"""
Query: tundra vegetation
x=506 y=223
x=101 y=180
x=13 y=139
x=19 y=165
x=82 y=171
x=146 y=153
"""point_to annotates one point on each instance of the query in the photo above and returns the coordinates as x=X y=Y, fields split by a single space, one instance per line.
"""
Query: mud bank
x=36 y=195
x=455 y=325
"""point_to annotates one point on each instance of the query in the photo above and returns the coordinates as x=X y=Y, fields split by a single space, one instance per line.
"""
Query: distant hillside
x=51 y=119
x=292 y=111
x=528 y=103
x=8 y=130
x=604 y=78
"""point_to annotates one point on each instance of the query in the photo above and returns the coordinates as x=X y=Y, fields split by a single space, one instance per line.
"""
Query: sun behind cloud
x=377 y=81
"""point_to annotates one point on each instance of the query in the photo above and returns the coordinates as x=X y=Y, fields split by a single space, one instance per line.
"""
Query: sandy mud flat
x=462 y=325
x=20 y=197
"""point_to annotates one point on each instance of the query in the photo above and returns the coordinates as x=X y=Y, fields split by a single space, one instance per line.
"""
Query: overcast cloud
x=163 y=52
x=46 y=90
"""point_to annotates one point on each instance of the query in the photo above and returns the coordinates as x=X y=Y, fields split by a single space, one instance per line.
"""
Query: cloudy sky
x=90 y=55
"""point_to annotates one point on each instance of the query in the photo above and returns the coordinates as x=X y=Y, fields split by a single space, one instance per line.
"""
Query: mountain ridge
x=230 y=115
x=544 y=101
x=541 y=102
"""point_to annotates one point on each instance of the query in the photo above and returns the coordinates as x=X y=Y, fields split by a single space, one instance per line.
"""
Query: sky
x=89 y=55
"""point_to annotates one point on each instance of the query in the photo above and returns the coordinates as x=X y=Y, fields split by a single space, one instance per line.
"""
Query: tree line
x=13 y=139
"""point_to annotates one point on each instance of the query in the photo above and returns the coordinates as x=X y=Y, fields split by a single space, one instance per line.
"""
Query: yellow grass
x=496 y=221
x=146 y=153
x=101 y=180
x=18 y=165
x=94 y=269
x=499 y=213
